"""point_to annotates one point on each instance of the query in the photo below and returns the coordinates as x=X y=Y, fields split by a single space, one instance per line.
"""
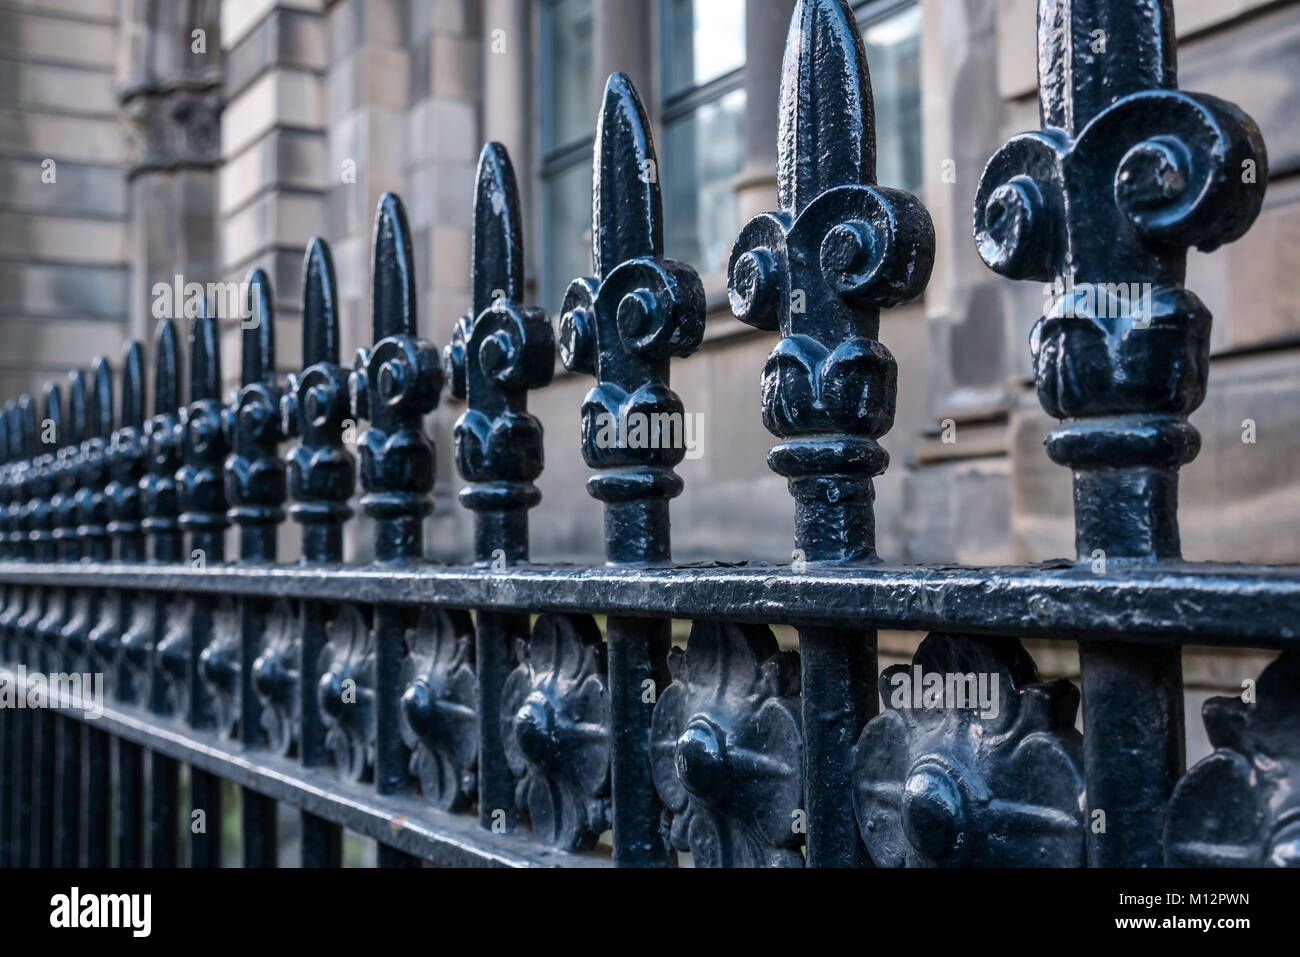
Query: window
x=891 y=33
x=703 y=128
x=569 y=106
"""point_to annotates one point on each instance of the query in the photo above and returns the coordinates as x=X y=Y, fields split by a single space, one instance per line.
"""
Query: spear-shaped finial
x=316 y=407
x=496 y=354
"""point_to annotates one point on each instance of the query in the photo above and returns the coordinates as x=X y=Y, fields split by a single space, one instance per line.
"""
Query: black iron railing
x=481 y=715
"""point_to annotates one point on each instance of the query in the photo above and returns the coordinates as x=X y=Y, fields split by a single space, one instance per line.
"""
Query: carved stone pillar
x=169 y=85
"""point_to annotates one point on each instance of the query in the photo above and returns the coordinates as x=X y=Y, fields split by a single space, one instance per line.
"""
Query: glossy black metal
x=202 y=500
x=263 y=674
x=58 y=613
x=92 y=515
x=8 y=723
x=1126 y=175
x=623 y=326
x=256 y=491
x=22 y=430
x=322 y=475
x=394 y=385
x=497 y=353
x=819 y=272
x=126 y=454
x=159 y=506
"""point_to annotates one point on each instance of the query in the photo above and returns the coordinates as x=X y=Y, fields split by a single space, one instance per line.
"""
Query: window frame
x=683 y=103
x=554 y=159
x=868 y=14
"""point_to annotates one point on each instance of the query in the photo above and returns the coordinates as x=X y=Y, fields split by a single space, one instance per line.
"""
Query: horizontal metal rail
x=400 y=821
x=1209 y=604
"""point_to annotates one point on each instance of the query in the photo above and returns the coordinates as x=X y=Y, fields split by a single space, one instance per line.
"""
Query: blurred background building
x=201 y=138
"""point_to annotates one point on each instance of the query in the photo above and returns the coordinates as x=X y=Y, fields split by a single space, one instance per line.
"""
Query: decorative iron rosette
x=555 y=729
x=439 y=723
x=219 y=666
x=173 y=657
x=968 y=786
x=137 y=650
x=345 y=693
x=1240 y=807
x=276 y=676
x=727 y=749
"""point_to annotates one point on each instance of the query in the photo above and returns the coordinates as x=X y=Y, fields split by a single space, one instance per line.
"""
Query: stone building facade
x=202 y=138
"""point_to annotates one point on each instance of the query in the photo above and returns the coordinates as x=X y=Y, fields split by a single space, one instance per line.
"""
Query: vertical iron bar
x=497 y=353
x=1127 y=174
x=39 y=658
x=22 y=438
x=160 y=505
x=623 y=326
x=255 y=489
x=394 y=385
x=67 y=832
x=127 y=453
x=321 y=480
x=8 y=727
x=819 y=272
x=93 y=515
x=201 y=489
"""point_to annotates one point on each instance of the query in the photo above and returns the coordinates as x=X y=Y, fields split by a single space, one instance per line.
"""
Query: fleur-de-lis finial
x=63 y=502
x=158 y=485
x=394 y=385
x=126 y=455
x=39 y=514
x=24 y=433
x=254 y=475
x=818 y=271
x=623 y=327
x=92 y=502
x=201 y=482
x=1125 y=176
x=496 y=354
x=316 y=407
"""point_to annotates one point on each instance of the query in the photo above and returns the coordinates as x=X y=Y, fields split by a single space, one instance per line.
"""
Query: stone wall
x=63 y=190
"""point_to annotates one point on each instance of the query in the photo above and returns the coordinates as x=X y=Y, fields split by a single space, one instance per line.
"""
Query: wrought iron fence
x=480 y=714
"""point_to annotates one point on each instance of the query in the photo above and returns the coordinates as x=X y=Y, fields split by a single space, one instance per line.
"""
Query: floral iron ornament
x=345 y=693
x=979 y=768
x=276 y=676
x=555 y=712
x=439 y=723
x=1125 y=176
x=819 y=271
x=1240 y=807
x=727 y=750
x=219 y=667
